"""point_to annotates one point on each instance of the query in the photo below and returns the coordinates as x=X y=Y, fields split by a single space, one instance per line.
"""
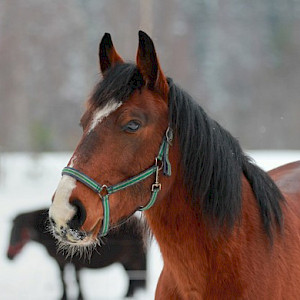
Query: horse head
x=117 y=165
x=20 y=235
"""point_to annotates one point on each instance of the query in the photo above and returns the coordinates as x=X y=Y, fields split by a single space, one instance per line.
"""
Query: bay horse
x=125 y=246
x=224 y=228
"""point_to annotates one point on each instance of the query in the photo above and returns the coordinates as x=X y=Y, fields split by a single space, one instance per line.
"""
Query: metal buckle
x=156 y=185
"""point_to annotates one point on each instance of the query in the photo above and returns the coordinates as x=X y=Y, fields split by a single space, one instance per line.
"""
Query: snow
x=27 y=182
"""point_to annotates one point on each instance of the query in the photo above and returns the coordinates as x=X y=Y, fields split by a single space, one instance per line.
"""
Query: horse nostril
x=80 y=215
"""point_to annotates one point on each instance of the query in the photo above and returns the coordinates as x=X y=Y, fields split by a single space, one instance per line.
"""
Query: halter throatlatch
x=161 y=162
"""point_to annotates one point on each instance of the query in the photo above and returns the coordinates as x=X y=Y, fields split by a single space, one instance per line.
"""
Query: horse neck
x=187 y=243
x=30 y=222
x=25 y=221
x=179 y=234
x=171 y=217
x=174 y=213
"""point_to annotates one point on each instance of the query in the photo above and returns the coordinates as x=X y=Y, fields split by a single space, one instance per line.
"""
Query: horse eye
x=132 y=126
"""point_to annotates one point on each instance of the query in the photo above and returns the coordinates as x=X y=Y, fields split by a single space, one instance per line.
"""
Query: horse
x=226 y=229
x=125 y=246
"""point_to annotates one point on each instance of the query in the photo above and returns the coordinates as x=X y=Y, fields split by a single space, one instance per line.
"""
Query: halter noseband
x=161 y=162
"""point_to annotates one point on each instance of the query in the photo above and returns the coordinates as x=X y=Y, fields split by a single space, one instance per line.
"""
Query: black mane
x=213 y=163
x=212 y=159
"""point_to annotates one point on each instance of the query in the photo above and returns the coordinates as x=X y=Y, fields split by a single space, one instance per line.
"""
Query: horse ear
x=108 y=56
x=148 y=64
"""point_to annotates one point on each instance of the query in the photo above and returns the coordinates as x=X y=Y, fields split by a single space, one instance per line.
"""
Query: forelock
x=118 y=83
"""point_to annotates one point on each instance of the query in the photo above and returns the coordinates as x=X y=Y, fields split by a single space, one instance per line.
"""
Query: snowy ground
x=27 y=182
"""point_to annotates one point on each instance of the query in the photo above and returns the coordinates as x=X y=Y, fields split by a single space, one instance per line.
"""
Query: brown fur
x=243 y=266
x=199 y=263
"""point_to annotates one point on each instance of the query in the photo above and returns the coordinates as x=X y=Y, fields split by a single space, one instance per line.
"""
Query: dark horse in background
x=124 y=246
x=226 y=229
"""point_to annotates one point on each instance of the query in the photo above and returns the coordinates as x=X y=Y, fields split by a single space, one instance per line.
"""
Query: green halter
x=161 y=162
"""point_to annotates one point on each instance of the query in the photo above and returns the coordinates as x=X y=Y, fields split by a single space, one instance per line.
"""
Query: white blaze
x=61 y=210
x=103 y=112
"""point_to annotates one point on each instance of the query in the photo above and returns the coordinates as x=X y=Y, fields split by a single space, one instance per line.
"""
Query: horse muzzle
x=65 y=225
x=67 y=235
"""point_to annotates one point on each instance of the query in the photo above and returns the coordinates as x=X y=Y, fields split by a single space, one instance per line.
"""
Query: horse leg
x=131 y=289
x=77 y=275
x=166 y=287
x=64 y=296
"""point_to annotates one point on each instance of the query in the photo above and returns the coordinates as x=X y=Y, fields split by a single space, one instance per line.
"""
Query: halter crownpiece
x=161 y=162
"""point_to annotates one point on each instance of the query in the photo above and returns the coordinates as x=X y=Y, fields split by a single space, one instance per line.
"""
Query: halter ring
x=159 y=165
x=103 y=192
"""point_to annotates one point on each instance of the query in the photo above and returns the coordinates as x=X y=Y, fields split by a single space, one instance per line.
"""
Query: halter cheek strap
x=161 y=162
